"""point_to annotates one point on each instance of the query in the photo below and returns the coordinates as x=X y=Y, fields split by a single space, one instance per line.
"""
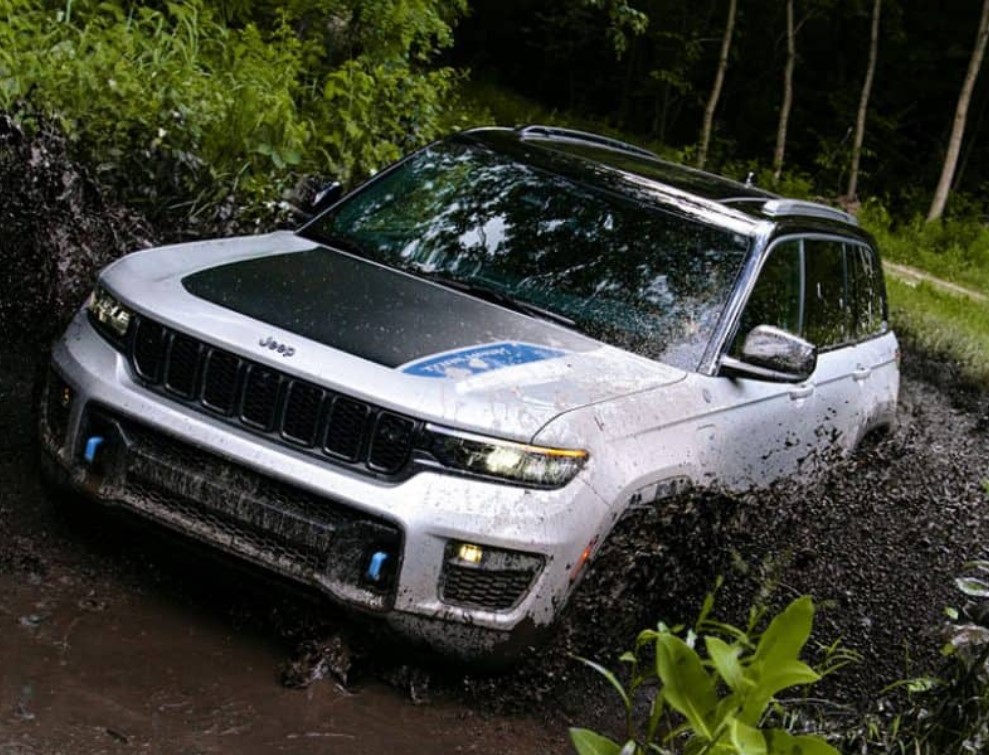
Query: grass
x=943 y=323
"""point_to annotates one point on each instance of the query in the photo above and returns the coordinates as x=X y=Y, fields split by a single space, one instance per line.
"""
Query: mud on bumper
x=308 y=538
x=311 y=539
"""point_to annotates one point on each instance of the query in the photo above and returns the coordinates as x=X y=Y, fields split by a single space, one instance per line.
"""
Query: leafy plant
x=717 y=704
x=947 y=714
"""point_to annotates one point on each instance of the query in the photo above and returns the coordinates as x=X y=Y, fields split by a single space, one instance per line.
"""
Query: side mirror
x=774 y=355
x=326 y=196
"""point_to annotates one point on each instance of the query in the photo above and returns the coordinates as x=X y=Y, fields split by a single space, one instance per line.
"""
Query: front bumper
x=313 y=521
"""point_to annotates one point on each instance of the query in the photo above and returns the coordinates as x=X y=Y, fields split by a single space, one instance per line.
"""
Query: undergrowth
x=187 y=117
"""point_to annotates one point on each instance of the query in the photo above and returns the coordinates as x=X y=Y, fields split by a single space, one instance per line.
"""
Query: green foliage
x=624 y=20
x=955 y=248
x=381 y=111
x=716 y=704
x=187 y=107
x=155 y=91
x=947 y=714
x=941 y=323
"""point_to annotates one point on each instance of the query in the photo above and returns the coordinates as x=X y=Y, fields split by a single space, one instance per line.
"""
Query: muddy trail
x=113 y=639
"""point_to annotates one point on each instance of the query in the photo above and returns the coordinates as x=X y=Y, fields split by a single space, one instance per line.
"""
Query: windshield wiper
x=494 y=296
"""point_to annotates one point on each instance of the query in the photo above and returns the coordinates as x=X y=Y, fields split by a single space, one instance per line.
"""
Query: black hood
x=373 y=312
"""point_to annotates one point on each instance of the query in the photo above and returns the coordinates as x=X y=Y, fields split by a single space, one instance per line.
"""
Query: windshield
x=629 y=274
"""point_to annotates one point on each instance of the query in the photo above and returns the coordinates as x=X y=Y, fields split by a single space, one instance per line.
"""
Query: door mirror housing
x=773 y=355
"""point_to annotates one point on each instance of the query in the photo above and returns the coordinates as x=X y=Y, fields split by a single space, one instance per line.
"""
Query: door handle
x=802 y=391
x=861 y=373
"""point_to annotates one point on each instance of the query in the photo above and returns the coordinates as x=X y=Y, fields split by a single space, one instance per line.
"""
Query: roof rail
x=776 y=208
x=573 y=135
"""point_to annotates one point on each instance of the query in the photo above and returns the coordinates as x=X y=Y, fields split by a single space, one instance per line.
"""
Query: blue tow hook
x=375 y=565
x=92 y=446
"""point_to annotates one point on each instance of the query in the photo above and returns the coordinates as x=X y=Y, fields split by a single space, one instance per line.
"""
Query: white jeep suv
x=434 y=401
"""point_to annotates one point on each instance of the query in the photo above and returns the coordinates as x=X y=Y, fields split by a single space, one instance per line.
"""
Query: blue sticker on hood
x=477 y=359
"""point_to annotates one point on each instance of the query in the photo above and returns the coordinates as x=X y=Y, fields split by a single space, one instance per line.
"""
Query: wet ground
x=111 y=641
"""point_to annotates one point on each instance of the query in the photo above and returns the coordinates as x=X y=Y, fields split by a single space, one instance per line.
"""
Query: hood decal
x=462 y=363
x=370 y=311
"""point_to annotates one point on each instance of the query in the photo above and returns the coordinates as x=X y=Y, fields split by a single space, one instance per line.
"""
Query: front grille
x=217 y=525
x=270 y=402
x=290 y=530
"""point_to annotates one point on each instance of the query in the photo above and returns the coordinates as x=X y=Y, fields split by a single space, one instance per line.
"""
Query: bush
x=955 y=248
x=188 y=117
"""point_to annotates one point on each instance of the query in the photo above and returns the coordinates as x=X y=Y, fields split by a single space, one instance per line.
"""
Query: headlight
x=537 y=466
x=109 y=316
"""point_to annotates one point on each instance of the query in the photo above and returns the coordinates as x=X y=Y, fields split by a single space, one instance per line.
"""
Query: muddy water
x=89 y=667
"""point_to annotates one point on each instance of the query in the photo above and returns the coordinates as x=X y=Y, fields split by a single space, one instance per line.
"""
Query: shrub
x=188 y=116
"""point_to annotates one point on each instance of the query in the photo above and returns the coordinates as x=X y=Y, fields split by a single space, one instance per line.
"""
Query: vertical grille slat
x=260 y=397
x=182 y=365
x=301 y=417
x=346 y=426
x=268 y=401
x=220 y=381
x=391 y=443
x=148 y=349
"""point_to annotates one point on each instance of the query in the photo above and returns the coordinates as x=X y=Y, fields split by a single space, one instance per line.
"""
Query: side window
x=777 y=296
x=865 y=291
x=824 y=290
x=828 y=316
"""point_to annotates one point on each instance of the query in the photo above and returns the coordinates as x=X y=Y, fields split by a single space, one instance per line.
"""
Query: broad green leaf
x=725 y=660
x=786 y=675
x=612 y=679
x=747 y=740
x=780 y=742
x=687 y=687
x=769 y=681
x=587 y=742
x=786 y=634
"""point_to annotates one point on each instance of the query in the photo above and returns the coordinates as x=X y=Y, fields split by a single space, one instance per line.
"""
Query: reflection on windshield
x=636 y=277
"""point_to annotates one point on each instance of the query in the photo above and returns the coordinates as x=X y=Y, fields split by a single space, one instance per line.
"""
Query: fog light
x=472 y=554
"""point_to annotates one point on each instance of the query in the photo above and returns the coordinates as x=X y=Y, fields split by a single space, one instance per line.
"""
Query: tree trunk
x=719 y=79
x=961 y=114
x=791 y=57
x=853 y=173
